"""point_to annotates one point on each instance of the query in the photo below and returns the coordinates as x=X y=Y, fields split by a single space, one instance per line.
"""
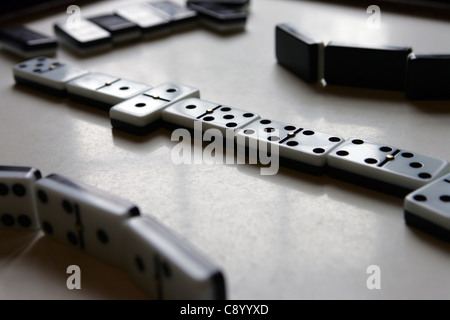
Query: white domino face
x=166 y=267
x=146 y=108
x=296 y=143
x=17 y=205
x=387 y=163
x=85 y=32
x=83 y=217
x=47 y=72
x=212 y=115
x=143 y=15
x=432 y=202
x=104 y=88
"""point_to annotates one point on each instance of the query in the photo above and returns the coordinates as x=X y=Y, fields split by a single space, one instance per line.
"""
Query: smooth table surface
x=287 y=236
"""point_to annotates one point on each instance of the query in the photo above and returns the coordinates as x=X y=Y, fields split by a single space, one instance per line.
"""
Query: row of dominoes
x=378 y=166
x=108 y=228
x=421 y=76
x=130 y=22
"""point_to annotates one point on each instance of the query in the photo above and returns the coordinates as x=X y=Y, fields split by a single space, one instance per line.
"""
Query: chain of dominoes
x=112 y=229
x=420 y=76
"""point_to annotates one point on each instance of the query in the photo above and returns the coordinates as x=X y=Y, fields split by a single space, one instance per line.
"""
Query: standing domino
x=366 y=66
x=211 y=115
x=307 y=148
x=299 y=53
x=139 y=114
x=83 y=217
x=102 y=90
x=17 y=202
x=427 y=77
x=166 y=266
x=428 y=208
x=46 y=74
x=384 y=168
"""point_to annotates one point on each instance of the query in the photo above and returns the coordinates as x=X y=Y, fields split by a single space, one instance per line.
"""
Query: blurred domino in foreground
x=83 y=217
x=27 y=43
x=299 y=53
x=428 y=208
x=166 y=266
x=17 y=202
x=111 y=229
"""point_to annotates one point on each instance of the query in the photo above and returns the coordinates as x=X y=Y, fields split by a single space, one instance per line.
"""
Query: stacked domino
x=421 y=76
x=377 y=166
x=108 y=228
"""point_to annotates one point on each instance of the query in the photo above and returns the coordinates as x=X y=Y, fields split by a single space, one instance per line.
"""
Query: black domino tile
x=422 y=224
x=299 y=53
x=119 y=28
x=428 y=77
x=371 y=66
x=25 y=42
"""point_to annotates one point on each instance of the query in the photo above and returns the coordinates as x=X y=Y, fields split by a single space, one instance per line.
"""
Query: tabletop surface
x=286 y=236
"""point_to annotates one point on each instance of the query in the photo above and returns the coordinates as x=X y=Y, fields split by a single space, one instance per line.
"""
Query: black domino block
x=428 y=77
x=120 y=29
x=27 y=43
x=298 y=52
x=374 y=67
